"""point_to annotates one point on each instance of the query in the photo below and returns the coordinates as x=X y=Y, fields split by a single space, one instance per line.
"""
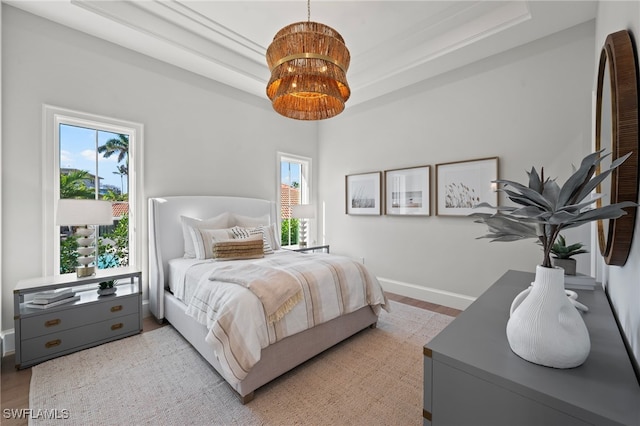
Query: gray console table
x=471 y=376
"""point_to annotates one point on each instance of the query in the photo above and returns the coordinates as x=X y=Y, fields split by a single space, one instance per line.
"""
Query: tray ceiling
x=393 y=44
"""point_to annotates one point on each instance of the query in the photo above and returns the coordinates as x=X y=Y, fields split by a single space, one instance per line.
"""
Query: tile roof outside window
x=289 y=196
x=120 y=208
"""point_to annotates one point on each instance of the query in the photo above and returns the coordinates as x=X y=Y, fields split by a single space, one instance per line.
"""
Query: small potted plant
x=107 y=288
x=562 y=255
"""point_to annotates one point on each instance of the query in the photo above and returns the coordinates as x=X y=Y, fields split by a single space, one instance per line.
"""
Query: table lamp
x=82 y=214
x=303 y=212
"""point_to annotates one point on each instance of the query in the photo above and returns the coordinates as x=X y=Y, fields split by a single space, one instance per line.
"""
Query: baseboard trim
x=145 y=308
x=8 y=342
x=427 y=294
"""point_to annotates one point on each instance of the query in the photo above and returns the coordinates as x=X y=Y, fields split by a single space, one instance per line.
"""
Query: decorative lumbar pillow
x=249 y=221
x=204 y=238
x=243 y=233
x=245 y=248
x=218 y=222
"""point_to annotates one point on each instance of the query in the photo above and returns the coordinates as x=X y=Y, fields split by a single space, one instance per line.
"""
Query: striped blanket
x=278 y=290
x=238 y=323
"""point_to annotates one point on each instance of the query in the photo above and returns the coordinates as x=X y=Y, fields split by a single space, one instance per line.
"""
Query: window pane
x=94 y=165
x=290 y=195
x=77 y=162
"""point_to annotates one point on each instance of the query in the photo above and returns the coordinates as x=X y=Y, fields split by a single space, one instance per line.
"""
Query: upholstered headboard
x=166 y=238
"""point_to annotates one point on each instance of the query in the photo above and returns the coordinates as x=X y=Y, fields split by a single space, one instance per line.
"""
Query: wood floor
x=15 y=383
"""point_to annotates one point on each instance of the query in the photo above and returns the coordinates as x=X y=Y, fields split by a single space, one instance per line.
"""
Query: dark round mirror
x=617 y=132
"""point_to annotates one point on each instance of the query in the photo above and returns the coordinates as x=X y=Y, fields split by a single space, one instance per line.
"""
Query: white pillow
x=250 y=222
x=218 y=222
x=203 y=240
x=271 y=232
x=239 y=232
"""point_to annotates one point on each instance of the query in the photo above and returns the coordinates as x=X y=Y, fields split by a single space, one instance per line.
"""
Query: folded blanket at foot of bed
x=278 y=290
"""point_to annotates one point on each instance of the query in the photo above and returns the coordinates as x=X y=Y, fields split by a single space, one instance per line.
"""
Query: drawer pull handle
x=116 y=308
x=52 y=322
x=426 y=414
x=52 y=343
x=117 y=326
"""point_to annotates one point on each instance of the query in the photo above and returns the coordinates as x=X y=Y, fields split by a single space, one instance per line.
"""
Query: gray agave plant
x=544 y=208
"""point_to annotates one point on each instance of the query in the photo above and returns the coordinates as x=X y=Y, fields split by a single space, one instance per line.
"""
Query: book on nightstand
x=50 y=296
x=52 y=304
x=579 y=282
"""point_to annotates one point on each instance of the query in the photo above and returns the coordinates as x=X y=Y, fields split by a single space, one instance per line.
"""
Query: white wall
x=623 y=283
x=201 y=137
x=530 y=106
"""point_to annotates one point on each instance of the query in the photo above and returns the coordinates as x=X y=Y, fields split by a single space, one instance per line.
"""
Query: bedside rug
x=157 y=378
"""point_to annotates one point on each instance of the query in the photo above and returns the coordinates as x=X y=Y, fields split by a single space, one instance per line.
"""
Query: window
x=92 y=157
x=94 y=164
x=294 y=188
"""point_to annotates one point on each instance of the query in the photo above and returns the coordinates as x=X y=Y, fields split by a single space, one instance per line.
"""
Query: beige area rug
x=157 y=378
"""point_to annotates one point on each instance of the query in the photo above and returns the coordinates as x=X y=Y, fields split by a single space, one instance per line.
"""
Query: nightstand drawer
x=52 y=344
x=54 y=322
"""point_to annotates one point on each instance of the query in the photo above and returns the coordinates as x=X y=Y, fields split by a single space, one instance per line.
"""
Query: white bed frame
x=166 y=242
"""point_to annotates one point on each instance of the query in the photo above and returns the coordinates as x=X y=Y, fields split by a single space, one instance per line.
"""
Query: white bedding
x=185 y=274
x=238 y=330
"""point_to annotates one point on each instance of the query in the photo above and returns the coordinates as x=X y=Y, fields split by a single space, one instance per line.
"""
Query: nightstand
x=42 y=334
x=312 y=249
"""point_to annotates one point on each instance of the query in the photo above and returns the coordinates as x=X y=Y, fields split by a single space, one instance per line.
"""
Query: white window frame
x=306 y=187
x=53 y=117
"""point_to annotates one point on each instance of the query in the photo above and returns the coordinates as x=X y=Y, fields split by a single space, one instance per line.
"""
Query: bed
x=172 y=294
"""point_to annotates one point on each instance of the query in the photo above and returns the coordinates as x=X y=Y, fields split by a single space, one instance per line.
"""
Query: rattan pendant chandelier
x=308 y=63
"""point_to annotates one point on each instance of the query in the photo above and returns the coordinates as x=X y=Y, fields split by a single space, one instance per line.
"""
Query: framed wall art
x=407 y=191
x=461 y=185
x=363 y=193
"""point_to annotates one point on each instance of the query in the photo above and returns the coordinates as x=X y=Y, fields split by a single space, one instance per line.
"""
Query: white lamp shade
x=72 y=212
x=303 y=211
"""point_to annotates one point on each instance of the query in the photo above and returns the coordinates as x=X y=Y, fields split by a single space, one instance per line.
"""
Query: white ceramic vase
x=545 y=327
